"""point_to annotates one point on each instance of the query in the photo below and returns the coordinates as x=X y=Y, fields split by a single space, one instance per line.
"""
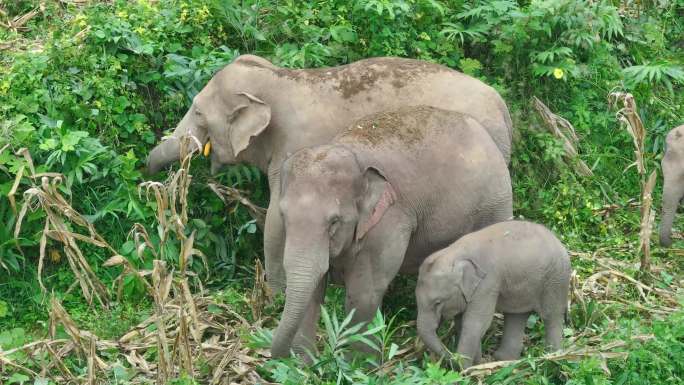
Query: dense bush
x=89 y=90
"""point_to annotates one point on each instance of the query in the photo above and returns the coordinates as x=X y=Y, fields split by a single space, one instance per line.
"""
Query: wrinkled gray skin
x=511 y=267
x=673 y=189
x=373 y=203
x=257 y=113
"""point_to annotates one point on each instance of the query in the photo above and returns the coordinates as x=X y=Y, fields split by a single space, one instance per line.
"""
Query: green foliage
x=89 y=89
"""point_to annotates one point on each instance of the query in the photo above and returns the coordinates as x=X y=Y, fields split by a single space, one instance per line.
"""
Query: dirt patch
x=406 y=126
x=300 y=161
x=352 y=79
x=251 y=63
x=320 y=161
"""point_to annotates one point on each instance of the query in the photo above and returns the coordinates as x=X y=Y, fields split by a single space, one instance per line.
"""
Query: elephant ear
x=468 y=276
x=378 y=197
x=248 y=120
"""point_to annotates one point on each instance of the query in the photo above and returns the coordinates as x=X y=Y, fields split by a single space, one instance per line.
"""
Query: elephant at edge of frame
x=673 y=188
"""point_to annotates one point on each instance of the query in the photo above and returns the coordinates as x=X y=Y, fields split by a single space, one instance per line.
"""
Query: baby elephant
x=511 y=267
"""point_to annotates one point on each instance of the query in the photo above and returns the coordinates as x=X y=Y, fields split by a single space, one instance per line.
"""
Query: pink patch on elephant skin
x=386 y=200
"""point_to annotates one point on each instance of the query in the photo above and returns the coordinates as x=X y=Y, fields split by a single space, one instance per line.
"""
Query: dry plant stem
x=161 y=284
x=261 y=293
x=628 y=115
x=556 y=125
x=647 y=219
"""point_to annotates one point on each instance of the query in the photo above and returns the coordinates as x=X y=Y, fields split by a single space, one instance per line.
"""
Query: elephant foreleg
x=274 y=242
x=367 y=274
x=475 y=322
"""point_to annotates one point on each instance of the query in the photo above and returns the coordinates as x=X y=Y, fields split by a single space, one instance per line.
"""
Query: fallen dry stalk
x=230 y=195
x=603 y=353
x=563 y=130
x=19 y=22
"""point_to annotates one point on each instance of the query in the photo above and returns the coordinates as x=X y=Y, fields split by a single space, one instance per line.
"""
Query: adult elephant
x=257 y=113
x=377 y=200
x=673 y=189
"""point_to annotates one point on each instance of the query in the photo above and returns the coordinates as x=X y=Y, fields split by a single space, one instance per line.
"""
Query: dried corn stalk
x=628 y=115
x=58 y=213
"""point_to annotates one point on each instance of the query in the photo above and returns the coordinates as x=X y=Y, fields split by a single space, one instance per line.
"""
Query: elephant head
x=445 y=287
x=227 y=112
x=328 y=202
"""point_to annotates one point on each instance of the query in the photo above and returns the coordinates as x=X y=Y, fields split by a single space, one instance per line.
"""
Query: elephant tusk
x=207 y=149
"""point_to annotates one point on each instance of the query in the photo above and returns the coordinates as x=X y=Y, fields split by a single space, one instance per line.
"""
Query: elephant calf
x=673 y=174
x=385 y=193
x=511 y=267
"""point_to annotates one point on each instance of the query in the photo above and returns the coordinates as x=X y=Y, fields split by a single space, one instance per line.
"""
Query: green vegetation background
x=90 y=89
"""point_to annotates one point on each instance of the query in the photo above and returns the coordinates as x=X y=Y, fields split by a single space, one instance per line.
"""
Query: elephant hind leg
x=513 y=335
x=553 y=326
x=475 y=322
x=554 y=306
x=673 y=193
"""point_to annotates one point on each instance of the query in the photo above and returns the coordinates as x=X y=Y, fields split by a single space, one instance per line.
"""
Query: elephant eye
x=334 y=225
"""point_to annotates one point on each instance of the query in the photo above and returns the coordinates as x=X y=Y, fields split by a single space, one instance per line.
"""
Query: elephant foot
x=665 y=241
x=506 y=355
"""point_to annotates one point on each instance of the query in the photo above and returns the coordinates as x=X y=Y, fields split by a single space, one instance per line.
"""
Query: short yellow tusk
x=207 y=149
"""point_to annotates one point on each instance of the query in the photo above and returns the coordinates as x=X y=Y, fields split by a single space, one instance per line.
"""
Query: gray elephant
x=512 y=267
x=257 y=113
x=673 y=189
x=375 y=201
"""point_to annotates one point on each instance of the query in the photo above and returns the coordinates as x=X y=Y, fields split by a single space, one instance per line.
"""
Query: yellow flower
x=558 y=73
x=207 y=149
x=4 y=87
x=55 y=256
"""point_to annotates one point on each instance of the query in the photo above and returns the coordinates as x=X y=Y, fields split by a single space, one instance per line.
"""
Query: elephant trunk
x=428 y=322
x=163 y=154
x=304 y=271
x=168 y=151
